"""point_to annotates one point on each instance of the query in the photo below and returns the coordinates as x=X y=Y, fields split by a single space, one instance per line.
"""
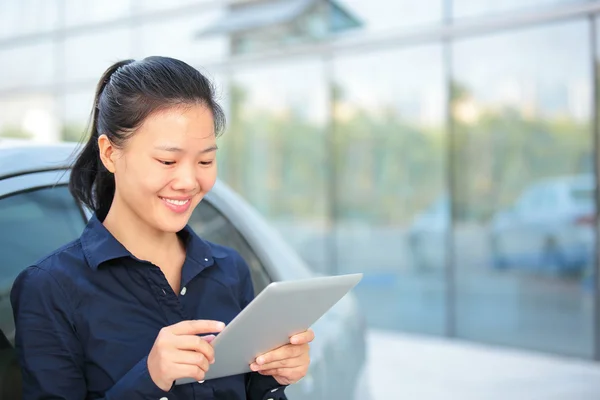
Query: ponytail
x=90 y=182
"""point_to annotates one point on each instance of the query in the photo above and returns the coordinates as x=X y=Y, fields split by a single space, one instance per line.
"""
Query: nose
x=186 y=179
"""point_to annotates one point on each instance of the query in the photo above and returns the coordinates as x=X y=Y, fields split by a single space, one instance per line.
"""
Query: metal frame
x=30 y=181
x=596 y=155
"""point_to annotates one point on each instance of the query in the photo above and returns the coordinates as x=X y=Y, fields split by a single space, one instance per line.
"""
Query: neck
x=137 y=236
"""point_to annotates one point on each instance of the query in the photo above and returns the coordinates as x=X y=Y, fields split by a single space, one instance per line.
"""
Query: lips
x=177 y=205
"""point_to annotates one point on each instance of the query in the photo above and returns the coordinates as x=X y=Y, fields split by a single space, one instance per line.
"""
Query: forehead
x=178 y=125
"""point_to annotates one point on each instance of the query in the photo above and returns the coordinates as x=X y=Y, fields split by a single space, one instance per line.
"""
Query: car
x=549 y=228
x=38 y=214
x=427 y=235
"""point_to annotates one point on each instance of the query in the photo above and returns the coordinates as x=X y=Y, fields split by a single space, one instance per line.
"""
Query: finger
x=196 y=327
x=195 y=343
x=271 y=372
x=192 y=358
x=303 y=338
x=282 y=364
x=282 y=353
x=188 y=371
x=208 y=338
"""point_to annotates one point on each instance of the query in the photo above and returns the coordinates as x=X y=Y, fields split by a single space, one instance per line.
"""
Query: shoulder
x=56 y=272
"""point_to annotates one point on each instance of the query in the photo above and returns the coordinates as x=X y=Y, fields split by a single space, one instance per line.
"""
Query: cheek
x=207 y=179
x=138 y=180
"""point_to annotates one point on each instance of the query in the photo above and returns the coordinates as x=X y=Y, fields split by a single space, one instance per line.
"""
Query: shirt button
x=206 y=259
x=164 y=398
x=183 y=291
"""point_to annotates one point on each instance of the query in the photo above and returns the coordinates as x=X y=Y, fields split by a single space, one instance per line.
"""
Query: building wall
x=446 y=149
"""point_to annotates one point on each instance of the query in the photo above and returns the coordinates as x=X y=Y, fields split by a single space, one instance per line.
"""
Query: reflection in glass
x=33 y=116
x=23 y=17
x=84 y=12
x=22 y=69
x=76 y=114
x=385 y=15
x=393 y=218
x=273 y=152
x=88 y=56
x=472 y=8
x=180 y=38
x=258 y=26
x=524 y=238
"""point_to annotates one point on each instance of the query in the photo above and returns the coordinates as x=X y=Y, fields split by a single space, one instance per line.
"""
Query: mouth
x=177 y=205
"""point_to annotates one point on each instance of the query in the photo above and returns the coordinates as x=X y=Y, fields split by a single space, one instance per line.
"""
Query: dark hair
x=128 y=92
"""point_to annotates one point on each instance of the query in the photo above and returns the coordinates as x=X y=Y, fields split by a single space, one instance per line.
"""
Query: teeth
x=176 y=202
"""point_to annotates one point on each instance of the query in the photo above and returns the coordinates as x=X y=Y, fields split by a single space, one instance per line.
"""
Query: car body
x=550 y=227
x=38 y=214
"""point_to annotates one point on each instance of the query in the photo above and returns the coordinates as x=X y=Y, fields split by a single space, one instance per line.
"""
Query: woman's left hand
x=287 y=364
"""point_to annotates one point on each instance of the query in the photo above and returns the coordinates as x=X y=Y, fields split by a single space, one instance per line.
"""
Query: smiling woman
x=118 y=312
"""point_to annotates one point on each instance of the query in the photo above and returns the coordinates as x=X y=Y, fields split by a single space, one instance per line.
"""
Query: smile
x=176 y=202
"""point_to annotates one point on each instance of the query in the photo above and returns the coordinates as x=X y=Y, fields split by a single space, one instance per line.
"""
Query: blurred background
x=447 y=149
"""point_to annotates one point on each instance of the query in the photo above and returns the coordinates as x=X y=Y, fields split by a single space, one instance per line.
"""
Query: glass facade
x=451 y=160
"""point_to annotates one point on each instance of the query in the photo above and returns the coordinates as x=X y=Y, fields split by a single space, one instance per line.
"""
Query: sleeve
x=50 y=353
x=258 y=387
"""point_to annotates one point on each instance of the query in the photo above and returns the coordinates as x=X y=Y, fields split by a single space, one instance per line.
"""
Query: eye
x=206 y=163
x=166 y=162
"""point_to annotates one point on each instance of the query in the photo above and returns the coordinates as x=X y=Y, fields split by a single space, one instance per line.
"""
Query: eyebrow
x=175 y=149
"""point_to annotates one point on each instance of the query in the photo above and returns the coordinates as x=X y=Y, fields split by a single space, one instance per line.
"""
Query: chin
x=173 y=224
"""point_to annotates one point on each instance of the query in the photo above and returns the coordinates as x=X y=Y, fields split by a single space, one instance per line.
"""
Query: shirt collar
x=100 y=246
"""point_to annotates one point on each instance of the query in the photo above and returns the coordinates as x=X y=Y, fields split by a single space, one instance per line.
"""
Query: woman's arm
x=49 y=351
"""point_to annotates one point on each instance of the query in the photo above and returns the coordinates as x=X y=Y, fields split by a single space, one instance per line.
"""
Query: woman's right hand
x=179 y=352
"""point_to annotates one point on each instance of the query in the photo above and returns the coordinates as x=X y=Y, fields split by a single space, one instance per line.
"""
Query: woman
x=131 y=306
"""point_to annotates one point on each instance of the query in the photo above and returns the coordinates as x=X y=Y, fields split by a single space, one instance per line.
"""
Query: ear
x=107 y=153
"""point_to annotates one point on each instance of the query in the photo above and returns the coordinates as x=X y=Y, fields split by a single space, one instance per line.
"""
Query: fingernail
x=220 y=326
x=260 y=360
x=254 y=367
x=212 y=361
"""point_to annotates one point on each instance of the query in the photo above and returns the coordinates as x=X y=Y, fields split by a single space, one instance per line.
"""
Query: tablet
x=280 y=311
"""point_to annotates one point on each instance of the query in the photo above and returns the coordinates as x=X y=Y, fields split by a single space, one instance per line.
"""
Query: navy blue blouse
x=88 y=314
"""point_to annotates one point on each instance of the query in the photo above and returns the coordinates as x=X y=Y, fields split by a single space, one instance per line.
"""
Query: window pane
x=22 y=17
x=32 y=225
x=273 y=153
x=524 y=240
x=393 y=214
x=160 y=5
x=470 y=8
x=385 y=15
x=77 y=109
x=22 y=66
x=82 y=12
x=32 y=116
x=89 y=55
x=179 y=38
x=210 y=224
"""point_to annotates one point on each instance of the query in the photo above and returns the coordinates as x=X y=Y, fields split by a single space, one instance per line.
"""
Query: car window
x=210 y=224
x=32 y=224
x=583 y=195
